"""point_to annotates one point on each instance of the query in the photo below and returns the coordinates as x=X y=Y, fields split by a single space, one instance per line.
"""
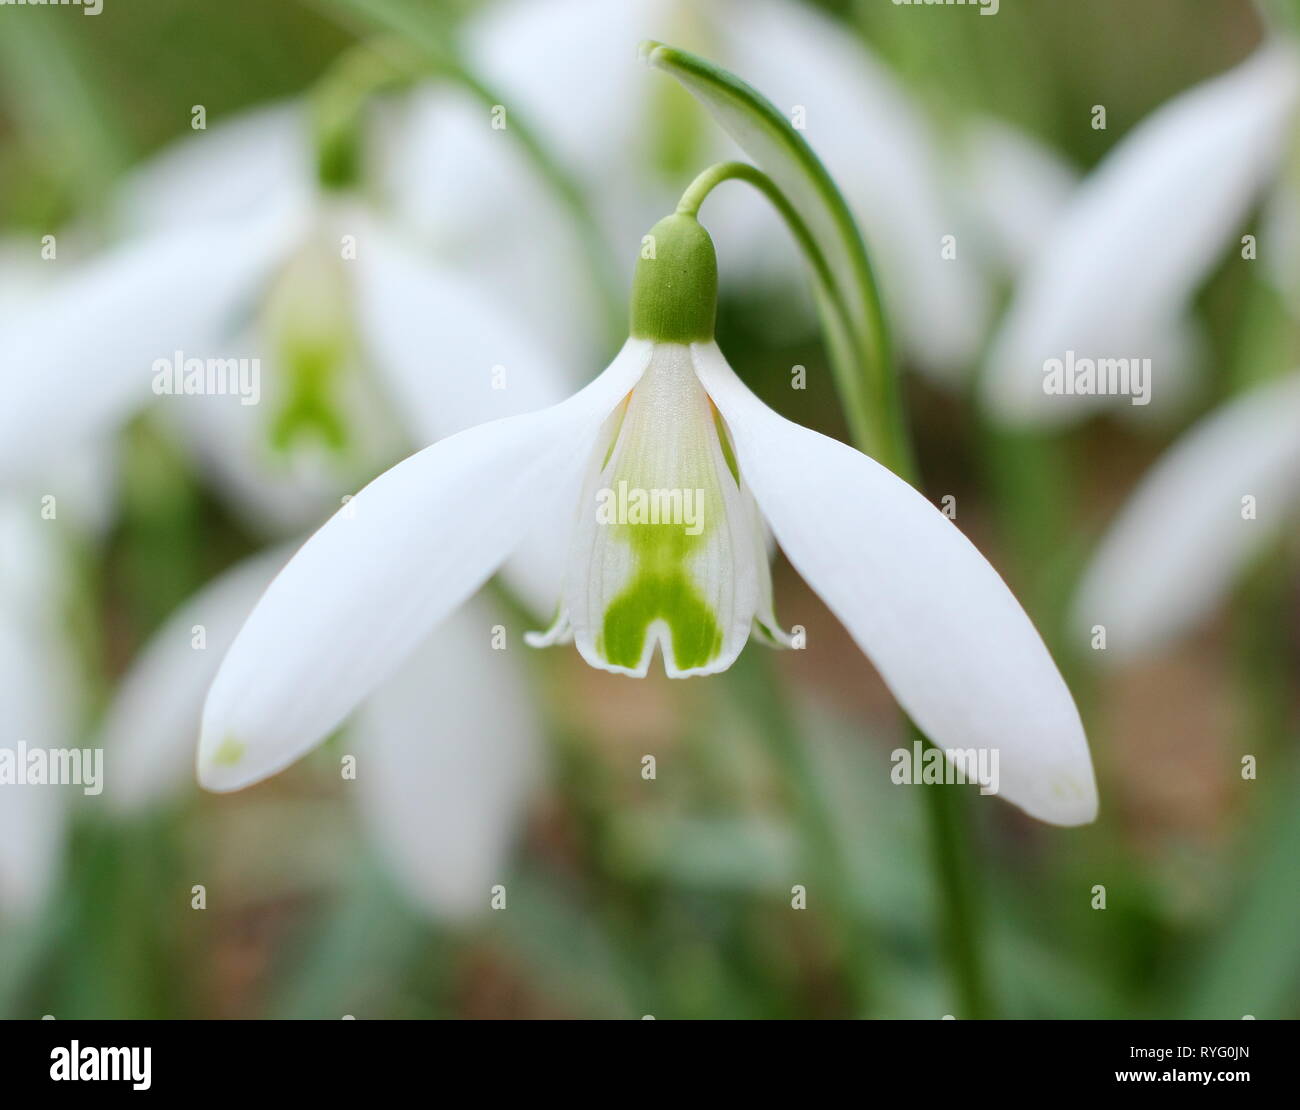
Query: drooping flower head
x=683 y=572
x=668 y=549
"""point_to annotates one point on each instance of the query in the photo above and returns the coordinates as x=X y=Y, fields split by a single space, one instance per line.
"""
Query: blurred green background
x=675 y=901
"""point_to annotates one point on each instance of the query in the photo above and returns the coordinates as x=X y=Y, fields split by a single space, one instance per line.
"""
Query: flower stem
x=708 y=180
x=877 y=428
x=960 y=926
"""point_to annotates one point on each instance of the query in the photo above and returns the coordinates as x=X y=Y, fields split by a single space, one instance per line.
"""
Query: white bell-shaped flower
x=669 y=415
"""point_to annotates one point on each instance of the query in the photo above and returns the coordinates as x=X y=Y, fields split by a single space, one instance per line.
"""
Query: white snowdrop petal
x=83 y=359
x=448 y=750
x=452 y=354
x=230 y=168
x=366 y=589
x=38 y=697
x=1018 y=187
x=151 y=729
x=1141 y=234
x=472 y=198
x=925 y=606
x=1188 y=529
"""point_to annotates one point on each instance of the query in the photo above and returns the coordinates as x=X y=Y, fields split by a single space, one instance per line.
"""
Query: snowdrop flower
x=236 y=253
x=1214 y=500
x=1115 y=278
x=446 y=750
x=667 y=416
x=868 y=129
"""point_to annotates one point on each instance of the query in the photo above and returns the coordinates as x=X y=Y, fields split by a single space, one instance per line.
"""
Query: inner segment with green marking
x=310 y=322
x=661 y=590
x=667 y=538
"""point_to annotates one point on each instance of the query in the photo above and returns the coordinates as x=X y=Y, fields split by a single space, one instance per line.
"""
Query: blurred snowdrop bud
x=1119 y=268
x=876 y=143
x=1186 y=532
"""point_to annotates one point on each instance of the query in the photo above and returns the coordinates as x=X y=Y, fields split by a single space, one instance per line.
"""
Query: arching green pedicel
x=661 y=589
x=675 y=289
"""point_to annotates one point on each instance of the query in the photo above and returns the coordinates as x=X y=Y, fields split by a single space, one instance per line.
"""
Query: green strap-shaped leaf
x=857 y=337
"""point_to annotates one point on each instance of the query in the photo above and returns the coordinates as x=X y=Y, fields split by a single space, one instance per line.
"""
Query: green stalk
x=960 y=925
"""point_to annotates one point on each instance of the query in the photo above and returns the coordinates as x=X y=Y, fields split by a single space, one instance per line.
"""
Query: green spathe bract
x=675 y=289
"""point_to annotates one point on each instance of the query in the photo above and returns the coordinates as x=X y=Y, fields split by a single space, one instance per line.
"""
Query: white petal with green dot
x=370 y=584
x=954 y=645
x=152 y=723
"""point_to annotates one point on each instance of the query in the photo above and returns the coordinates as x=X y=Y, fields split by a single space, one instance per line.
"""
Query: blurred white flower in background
x=569 y=67
x=229 y=249
x=1116 y=276
x=1018 y=188
x=234 y=252
x=42 y=684
x=448 y=750
x=1188 y=532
